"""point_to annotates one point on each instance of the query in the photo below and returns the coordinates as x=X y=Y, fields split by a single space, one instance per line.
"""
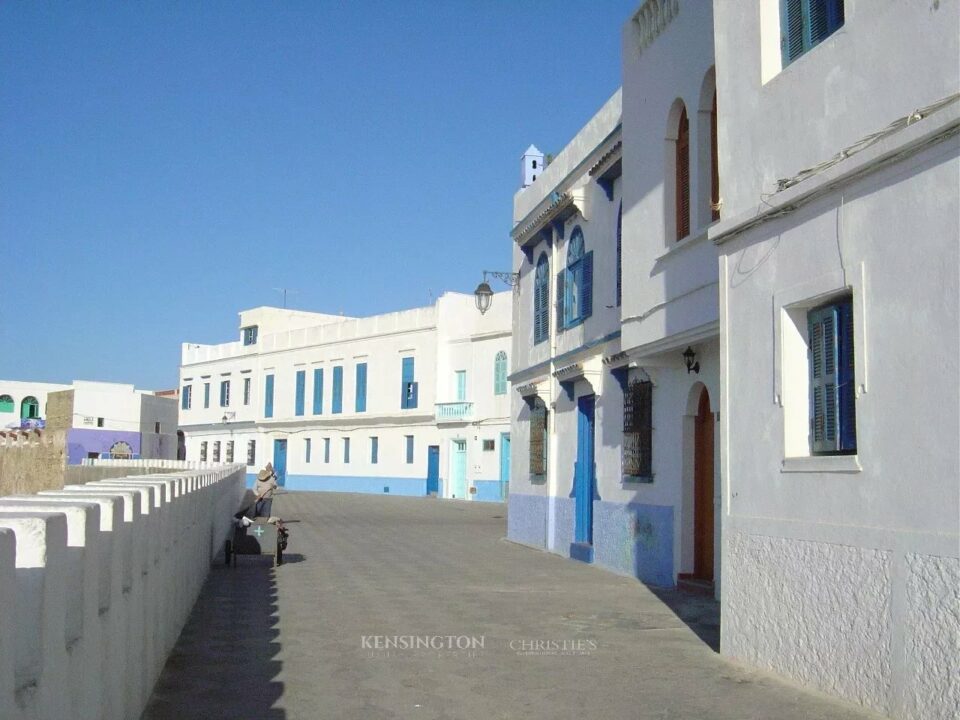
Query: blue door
x=433 y=470
x=584 y=481
x=458 y=469
x=280 y=461
x=504 y=464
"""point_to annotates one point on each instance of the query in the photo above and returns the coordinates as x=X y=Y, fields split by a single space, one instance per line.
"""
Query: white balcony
x=454 y=412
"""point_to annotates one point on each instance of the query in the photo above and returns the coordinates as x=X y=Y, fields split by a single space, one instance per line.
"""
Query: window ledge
x=822 y=464
x=694 y=238
x=637 y=480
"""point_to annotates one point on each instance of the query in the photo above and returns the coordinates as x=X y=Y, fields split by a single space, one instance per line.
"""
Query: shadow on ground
x=222 y=665
x=699 y=613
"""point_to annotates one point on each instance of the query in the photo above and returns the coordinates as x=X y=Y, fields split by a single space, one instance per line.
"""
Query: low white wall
x=97 y=581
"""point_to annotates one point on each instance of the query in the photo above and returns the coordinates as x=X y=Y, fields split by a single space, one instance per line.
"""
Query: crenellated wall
x=97 y=581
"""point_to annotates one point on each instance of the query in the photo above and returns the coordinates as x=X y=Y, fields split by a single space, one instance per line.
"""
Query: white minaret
x=532 y=166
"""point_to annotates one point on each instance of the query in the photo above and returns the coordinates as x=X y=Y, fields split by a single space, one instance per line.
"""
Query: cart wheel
x=227 y=552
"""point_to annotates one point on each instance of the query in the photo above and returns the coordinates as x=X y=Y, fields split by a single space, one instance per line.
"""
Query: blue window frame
x=326 y=450
x=541 y=300
x=301 y=392
x=374 y=450
x=361 y=399
x=833 y=417
x=408 y=385
x=306 y=449
x=619 y=254
x=575 y=283
x=336 y=406
x=268 y=396
x=500 y=374
x=186 y=397
x=805 y=24
x=318 y=391
x=346 y=451
x=409 y=442
x=224 y=393
x=250 y=335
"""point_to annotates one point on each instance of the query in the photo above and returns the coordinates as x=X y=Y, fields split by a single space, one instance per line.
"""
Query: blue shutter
x=822 y=328
x=406 y=378
x=619 y=254
x=337 y=404
x=791 y=30
x=561 y=310
x=846 y=380
x=537 y=302
x=268 y=397
x=318 y=391
x=361 y=387
x=500 y=374
x=301 y=391
x=185 y=398
x=461 y=385
x=586 y=287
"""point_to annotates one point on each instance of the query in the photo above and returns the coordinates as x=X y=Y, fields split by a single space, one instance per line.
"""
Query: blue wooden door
x=280 y=461
x=584 y=480
x=458 y=469
x=504 y=464
x=433 y=470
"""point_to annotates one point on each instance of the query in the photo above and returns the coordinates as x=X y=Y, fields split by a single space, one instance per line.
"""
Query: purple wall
x=81 y=441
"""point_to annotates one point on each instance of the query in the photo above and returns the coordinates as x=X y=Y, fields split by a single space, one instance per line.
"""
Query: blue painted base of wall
x=582 y=552
x=629 y=539
x=362 y=484
x=488 y=491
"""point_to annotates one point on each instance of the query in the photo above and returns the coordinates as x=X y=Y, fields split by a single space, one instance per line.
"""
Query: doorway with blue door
x=504 y=465
x=584 y=481
x=433 y=470
x=280 y=461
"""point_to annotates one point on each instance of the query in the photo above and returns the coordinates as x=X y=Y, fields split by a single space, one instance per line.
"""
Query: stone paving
x=560 y=639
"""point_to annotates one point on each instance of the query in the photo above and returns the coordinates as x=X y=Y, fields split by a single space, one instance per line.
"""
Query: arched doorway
x=29 y=408
x=703 y=520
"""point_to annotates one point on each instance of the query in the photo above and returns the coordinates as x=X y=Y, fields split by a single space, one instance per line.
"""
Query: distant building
x=407 y=403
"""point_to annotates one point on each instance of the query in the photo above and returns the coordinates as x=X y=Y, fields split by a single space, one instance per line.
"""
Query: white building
x=839 y=357
x=407 y=403
x=629 y=477
x=101 y=418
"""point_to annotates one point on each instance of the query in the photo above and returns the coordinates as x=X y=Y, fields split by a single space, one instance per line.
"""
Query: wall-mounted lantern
x=690 y=357
x=484 y=293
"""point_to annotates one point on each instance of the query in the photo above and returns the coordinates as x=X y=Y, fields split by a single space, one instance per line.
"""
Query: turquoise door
x=504 y=465
x=584 y=481
x=280 y=461
x=458 y=469
x=433 y=470
x=461 y=385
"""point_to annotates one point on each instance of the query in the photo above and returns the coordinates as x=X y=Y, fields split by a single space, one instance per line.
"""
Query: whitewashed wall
x=97 y=582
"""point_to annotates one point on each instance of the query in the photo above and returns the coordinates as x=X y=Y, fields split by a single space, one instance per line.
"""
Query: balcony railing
x=454 y=412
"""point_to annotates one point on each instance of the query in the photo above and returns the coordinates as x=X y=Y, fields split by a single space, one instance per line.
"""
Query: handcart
x=256 y=536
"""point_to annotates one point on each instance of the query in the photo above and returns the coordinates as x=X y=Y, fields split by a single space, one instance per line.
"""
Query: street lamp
x=484 y=293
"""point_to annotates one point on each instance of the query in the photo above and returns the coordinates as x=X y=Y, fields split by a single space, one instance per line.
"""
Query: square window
x=488 y=445
x=250 y=335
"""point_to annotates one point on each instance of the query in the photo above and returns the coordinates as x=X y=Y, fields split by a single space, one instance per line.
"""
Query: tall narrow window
x=833 y=419
x=575 y=283
x=268 y=396
x=206 y=394
x=346 y=451
x=216 y=451
x=461 y=380
x=229 y=457
x=638 y=431
x=500 y=374
x=374 y=450
x=251 y=452
x=408 y=385
x=307 y=447
x=224 y=393
x=250 y=335
x=805 y=24
x=683 y=176
x=318 y=391
x=541 y=300
x=336 y=405
x=203 y=451
x=326 y=450
x=619 y=253
x=409 y=443
x=361 y=394
x=714 y=164
x=246 y=391
x=186 y=397
x=301 y=392
x=538 y=438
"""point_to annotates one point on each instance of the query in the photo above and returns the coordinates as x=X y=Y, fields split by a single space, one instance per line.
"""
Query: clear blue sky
x=165 y=165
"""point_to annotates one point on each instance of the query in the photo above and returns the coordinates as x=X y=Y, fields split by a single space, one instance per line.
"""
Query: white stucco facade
x=464 y=420
x=841 y=570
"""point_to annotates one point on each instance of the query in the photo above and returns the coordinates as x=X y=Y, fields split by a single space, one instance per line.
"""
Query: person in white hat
x=264 y=488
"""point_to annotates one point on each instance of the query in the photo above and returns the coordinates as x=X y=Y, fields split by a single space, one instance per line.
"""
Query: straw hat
x=264 y=474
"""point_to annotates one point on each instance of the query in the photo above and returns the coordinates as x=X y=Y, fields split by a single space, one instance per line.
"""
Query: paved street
x=559 y=639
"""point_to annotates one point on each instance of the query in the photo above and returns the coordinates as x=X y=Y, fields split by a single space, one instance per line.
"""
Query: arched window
x=538 y=438
x=619 y=254
x=683 y=176
x=714 y=164
x=6 y=404
x=29 y=408
x=541 y=300
x=576 y=282
x=500 y=374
